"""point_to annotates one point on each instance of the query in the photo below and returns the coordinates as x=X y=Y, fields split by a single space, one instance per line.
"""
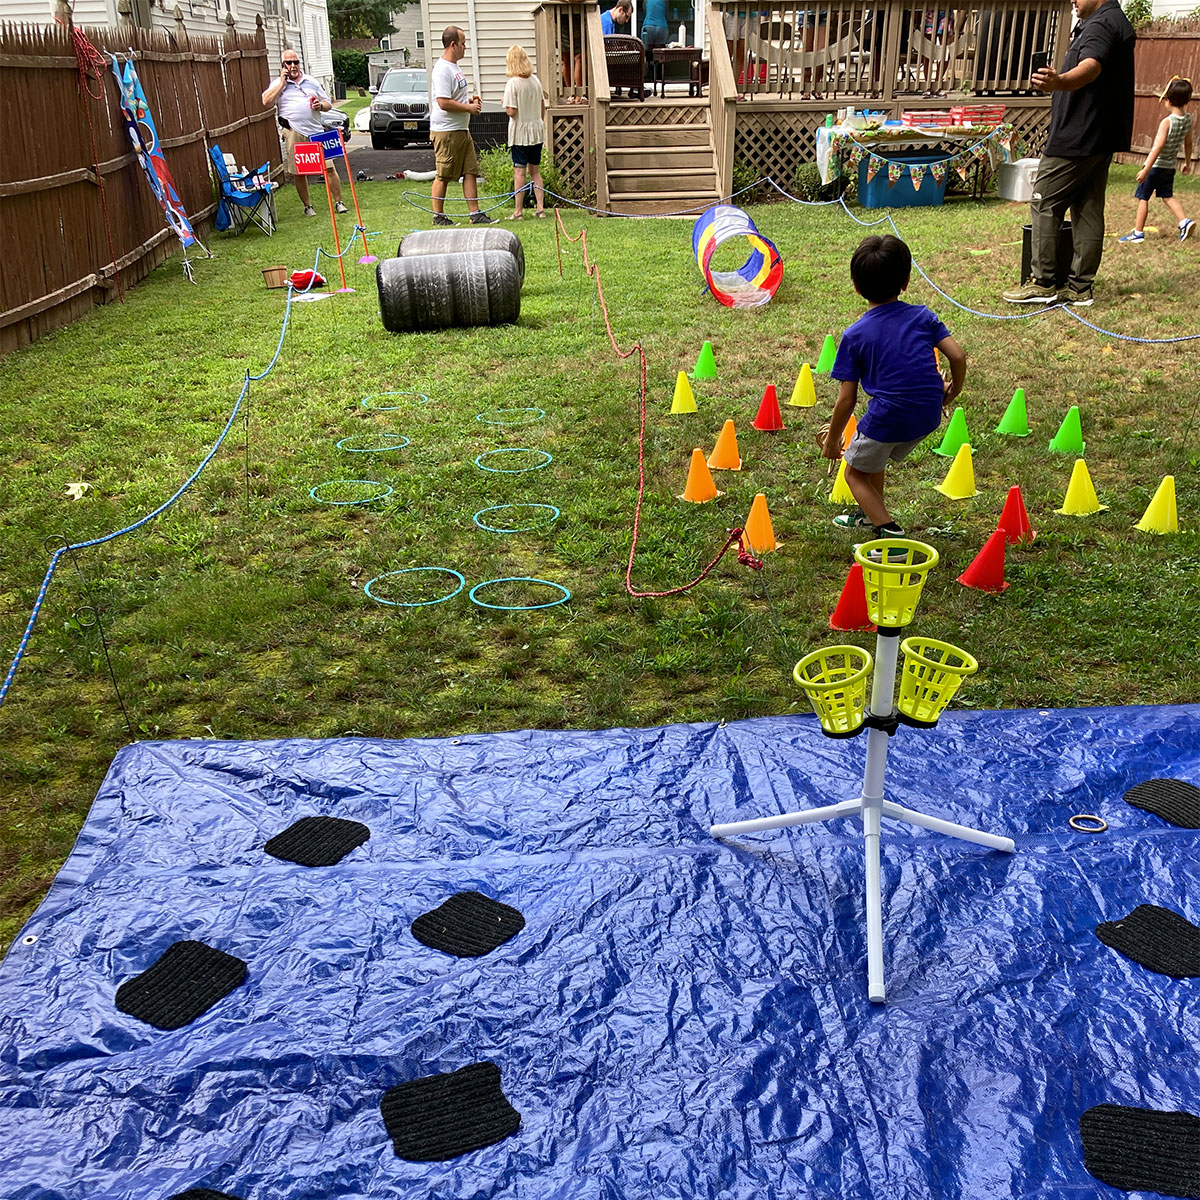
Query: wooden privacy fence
x=1156 y=57
x=75 y=160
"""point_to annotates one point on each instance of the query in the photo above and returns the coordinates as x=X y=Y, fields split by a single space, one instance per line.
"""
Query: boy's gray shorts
x=869 y=456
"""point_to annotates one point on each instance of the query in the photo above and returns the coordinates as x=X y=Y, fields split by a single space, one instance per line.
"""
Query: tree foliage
x=362 y=18
x=350 y=66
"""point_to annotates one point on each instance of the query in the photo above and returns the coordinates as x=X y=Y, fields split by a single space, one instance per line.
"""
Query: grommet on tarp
x=318 y=841
x=442 y=1116
x=1087 y=823
x=462 y=583
x=421 y=398
x=468 y=925
x=566 y=595
x=183 y=983
x=29 y=939
x=1142 y=1149
x=1174 y=800
x=1156 y=938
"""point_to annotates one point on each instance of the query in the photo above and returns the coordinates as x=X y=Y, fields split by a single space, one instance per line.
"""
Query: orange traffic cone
x=1014 y=520
x=700 y=487
x=850 y=612
x=758 y=531
x=769 y=419
x=725 y=455
x=986 y=573
x=849 y=431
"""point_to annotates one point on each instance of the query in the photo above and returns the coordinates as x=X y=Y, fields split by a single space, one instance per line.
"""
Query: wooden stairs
x=661 y=167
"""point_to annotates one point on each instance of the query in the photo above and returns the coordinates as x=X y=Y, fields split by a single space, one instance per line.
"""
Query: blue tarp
x=678 y=1018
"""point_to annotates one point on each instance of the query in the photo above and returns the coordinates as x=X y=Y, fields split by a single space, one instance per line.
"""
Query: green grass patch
x=240 y=613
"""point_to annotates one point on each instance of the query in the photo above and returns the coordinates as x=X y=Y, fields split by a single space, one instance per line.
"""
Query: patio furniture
x=245 y=199
x=625 y=58
x=664 y=55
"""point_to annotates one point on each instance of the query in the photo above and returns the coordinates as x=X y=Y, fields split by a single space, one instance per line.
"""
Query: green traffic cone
x=1014 y=422
x=828 y=354
x=956 y=435
x=1069 y=438
x=706 y=364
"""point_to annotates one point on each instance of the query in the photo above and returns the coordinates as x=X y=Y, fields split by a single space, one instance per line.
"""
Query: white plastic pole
x=965 y=832
x=847 y=808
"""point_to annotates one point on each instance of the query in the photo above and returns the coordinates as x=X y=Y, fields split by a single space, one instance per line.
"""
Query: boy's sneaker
x=339 y=207
x=853 y=520
x=481 y=218
x=1134 y=235
x=1185 y=227
x=442 y=219
x=1078 y=297
x=309 y=211
x=1031 y=293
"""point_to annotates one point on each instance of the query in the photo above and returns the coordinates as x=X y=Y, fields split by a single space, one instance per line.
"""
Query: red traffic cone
x=986 y=573
x=769 y=419
x=1014 y=520
x=850 y=612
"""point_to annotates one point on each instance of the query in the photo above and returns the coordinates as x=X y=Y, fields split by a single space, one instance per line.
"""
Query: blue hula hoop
x=566 y=595
x=312 y=491
x=487 y=418
x=514 y=450
x=462 y=583
x=516 y=528
x=399 y=445
x=366 y=400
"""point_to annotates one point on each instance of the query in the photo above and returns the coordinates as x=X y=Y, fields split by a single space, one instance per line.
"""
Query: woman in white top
x=525 y=104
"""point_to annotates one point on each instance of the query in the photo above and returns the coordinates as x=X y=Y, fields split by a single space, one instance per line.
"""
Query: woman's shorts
x=1160 y=180
x=527 y=156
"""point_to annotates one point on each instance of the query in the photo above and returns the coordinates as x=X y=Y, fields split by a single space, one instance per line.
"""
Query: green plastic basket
x=835 y=681
x=894 y=582
x=933 y=671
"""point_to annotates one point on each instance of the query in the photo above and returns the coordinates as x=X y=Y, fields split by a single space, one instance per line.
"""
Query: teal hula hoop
x=549 y=458
x=462 y=583
x=387 y=491
x=566 y=595
x=555 y=514
x=397 y=445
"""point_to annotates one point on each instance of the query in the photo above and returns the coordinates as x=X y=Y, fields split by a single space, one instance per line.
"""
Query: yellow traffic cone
x=804 y=395
x=758 y=532
x=841 y=493
x=725 y=455
x=1161 y=515
x=700 y=487
x=683 y=400
x=960 y=479
x=1081 y=499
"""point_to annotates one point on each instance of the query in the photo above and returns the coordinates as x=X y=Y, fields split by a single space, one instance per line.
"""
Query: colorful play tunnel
x=756 y=281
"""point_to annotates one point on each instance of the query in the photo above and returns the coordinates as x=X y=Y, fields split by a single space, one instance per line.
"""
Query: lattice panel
x=775 y=144
x=653 y=114
x=569 y=151
x=1033 y=124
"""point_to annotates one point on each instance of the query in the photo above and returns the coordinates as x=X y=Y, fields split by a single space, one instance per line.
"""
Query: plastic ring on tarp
x=462 y=583
x=387 y=491
x=757 y=280
x=549 y=458
x=556 y=513
x=399 y=444
x=1079 y=823
x=566 y=595
x=421 y=398
x=488 y=418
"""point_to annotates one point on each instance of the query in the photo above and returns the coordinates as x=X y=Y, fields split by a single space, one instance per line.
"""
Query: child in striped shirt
x=1158 y=175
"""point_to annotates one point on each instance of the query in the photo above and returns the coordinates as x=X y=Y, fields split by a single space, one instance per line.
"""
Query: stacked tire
x=449 y=290
x=452 y=241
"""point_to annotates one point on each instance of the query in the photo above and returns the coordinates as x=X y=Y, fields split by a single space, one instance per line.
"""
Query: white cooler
x=1014 y=180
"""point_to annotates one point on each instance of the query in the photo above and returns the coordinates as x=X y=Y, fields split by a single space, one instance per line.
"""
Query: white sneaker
x=309 y=211
x=339 y=207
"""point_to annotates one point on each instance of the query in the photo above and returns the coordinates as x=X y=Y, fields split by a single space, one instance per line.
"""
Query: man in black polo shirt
x=1091 y=118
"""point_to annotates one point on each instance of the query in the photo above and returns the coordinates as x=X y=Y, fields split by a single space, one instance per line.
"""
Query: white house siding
x=497 y=25
x=410 y=29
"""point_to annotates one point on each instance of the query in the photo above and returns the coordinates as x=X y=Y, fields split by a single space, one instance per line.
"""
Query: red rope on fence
x=735 y=538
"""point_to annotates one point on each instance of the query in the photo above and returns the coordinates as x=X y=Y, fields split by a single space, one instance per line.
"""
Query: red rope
x=91 y=63
x=735 y=538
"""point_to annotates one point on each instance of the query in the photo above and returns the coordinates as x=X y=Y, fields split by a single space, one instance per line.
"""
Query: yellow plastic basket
x=931 y=675
x=894 y=584
x=835 y=681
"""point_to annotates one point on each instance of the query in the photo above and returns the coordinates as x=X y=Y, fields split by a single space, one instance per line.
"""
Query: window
x=420 y=39
x=385 y=43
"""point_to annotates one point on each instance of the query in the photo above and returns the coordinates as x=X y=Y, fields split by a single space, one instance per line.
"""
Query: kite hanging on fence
x=144 y=136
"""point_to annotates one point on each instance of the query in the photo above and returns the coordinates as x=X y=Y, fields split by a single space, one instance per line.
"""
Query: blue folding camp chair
x=245 y=199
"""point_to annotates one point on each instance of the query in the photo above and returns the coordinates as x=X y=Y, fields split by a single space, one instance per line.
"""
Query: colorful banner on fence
x=144 y=136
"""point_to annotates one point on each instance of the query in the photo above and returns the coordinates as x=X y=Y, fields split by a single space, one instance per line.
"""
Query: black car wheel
x=378 y=142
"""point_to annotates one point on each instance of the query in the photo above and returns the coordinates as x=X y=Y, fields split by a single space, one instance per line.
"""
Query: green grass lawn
x=241 y=613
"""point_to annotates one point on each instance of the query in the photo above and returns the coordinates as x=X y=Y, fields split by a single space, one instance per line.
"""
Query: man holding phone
x=1091 y=119
x=298 y=99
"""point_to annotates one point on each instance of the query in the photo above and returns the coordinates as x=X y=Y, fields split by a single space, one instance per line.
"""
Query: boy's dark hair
x=881 y=267
x=1179 y=92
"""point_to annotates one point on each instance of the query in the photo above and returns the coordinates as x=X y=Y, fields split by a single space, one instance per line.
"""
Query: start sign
x=309 y=158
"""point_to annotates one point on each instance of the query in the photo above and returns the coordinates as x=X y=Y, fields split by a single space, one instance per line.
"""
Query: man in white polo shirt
x=450 y=109
x=298 y=98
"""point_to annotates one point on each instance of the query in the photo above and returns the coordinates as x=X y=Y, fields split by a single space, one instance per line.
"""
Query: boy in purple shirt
x=889 y=350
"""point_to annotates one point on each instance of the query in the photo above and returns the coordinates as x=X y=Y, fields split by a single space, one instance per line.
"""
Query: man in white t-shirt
x=298 y=98
x=450 y=108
